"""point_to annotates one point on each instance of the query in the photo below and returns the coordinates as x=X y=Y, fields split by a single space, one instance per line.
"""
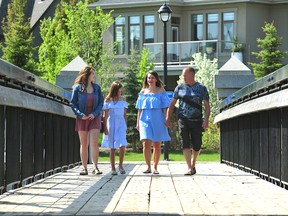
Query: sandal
x=156 y=172
x=114 y=173
x=122 y=171
x=96 y=171
x=191 y=172
x=84 y=172
x=147 y=171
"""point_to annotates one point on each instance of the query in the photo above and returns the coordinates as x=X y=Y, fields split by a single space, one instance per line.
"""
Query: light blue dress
x=152 y=120
x=116 y=125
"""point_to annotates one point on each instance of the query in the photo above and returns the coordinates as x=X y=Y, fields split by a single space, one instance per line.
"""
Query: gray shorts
x=190 y=134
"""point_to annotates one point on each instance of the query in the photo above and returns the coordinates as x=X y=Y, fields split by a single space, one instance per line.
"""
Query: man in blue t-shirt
x=191 y=95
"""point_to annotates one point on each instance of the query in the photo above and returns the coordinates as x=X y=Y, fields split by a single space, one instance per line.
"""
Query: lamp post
x=164 y=16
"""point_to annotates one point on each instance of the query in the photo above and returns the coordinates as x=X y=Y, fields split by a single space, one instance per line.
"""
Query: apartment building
x=206 y=26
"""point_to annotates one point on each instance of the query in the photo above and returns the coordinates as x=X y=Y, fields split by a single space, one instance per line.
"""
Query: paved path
x=216 y=189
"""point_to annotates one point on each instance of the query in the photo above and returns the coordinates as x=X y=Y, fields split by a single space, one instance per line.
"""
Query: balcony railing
x=180 y=53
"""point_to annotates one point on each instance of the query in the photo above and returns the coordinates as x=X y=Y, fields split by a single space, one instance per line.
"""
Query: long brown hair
x=113 y=91
x=159 y=82
x=83 y=76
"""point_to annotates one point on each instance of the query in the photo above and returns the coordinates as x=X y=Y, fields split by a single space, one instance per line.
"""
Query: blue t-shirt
x=190 y=100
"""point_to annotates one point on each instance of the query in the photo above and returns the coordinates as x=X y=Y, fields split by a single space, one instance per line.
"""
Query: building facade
x=207 y=26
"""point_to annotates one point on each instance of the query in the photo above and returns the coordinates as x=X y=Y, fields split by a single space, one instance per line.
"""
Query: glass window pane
x=149 y=19
x=120 y=21
x=212 y=17
x=149 y=34
x=228 y=34
x=120 y=40
x=134 y=20
x=135 y=37
x=197 y=32
x=175 y=20
x=212 y=31
x=228 y=16
x=228 y=31
x=197 y=18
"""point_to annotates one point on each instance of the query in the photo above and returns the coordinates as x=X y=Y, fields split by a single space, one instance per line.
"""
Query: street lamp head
x=164 y=13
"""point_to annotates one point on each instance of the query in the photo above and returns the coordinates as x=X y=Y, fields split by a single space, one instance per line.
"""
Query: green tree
x=134 y=73
x=87 y=28
x=57 y=49
x=76 y=30
x=17 y=48
x=270 y=55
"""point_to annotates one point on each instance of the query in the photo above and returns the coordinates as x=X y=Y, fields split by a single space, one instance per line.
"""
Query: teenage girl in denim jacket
x=87 y=102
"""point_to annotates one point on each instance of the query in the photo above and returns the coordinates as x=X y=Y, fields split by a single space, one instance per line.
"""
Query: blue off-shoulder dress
x=152 y=120
x=116 y=125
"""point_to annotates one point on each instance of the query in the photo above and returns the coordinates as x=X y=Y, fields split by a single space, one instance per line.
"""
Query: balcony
x=180 y=53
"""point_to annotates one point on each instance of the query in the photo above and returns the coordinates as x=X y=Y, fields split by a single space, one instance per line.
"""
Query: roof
x=75 y=65
x=234 y=65
x=112 y=4
x=39 y=8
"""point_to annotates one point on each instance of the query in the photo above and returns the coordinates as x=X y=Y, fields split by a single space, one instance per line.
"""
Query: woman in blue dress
x=152 y=104
x=115 y=125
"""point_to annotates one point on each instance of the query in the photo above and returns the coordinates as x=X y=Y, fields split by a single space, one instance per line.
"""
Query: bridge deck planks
x=216 y=189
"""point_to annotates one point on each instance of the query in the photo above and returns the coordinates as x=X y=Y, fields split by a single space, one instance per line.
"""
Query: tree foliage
x=57 y=49
x=17 y=48
x=75 y=30
x=270 y=55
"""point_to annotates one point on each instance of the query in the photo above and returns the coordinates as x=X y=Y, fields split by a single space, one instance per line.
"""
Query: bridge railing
x=254 y=128
x=37 y=136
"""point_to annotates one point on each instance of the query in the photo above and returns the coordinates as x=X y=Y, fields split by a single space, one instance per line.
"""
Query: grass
x=173 y=156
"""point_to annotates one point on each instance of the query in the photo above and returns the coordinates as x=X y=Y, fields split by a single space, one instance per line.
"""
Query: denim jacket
x=79 y=100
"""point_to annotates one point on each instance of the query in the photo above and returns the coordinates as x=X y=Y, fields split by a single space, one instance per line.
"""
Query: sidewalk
x=216 y=189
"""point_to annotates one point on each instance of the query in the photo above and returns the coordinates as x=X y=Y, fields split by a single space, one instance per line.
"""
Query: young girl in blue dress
x=152 y=104
x=115 y=125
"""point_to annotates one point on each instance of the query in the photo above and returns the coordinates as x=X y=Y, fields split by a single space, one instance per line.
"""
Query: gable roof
x=75 y=65
x=39 y=8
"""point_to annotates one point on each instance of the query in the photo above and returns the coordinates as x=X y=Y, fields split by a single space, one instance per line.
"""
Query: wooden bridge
x=39 y=158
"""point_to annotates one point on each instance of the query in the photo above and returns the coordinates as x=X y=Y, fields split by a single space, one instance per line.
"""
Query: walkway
x=216 y=189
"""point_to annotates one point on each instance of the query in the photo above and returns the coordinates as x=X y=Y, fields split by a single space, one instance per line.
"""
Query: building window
x=212 y=26
x=131 y=31
x=149 y=29
x=120 y=36
x=134 y=33
x=208 y=25
x=197 y=27
x=228 y=29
